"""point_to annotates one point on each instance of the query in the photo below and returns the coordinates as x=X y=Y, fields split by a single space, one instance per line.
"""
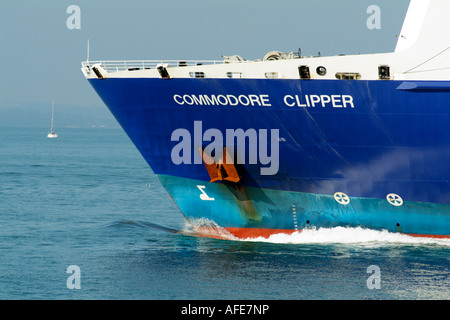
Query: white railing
x=118 y=65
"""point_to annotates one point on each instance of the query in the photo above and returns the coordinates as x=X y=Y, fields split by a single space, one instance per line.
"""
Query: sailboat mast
x=53 y=110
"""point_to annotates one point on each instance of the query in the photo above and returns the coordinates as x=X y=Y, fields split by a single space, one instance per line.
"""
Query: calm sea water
x=89 y=199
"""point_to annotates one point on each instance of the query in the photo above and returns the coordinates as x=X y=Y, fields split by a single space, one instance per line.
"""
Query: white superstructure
x=422 y=53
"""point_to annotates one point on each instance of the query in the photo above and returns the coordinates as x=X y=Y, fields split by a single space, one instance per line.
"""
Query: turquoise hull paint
x=249 y=207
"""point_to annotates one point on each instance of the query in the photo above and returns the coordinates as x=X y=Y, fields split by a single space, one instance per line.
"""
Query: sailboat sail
x=52 y=133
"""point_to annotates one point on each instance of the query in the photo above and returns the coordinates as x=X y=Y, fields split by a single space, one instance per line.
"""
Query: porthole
x=321 y=71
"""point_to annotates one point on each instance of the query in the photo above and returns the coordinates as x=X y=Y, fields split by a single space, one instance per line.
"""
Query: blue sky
x=40 y=57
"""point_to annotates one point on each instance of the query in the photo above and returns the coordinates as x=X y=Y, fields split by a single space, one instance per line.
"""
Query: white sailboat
x=52 y=133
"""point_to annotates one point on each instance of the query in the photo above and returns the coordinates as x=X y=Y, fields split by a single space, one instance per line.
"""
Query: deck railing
x=123 y=65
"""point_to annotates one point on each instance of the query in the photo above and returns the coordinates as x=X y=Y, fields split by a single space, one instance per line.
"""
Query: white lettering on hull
x=263 y=100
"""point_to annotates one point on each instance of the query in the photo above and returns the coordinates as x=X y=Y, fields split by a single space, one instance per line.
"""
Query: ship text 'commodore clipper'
x=288 y=142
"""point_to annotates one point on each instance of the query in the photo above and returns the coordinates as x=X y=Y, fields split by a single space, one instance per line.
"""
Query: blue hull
x=365 y=139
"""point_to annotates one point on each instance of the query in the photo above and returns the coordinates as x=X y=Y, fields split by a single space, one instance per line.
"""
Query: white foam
x=346 y=235
x=337 y=235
